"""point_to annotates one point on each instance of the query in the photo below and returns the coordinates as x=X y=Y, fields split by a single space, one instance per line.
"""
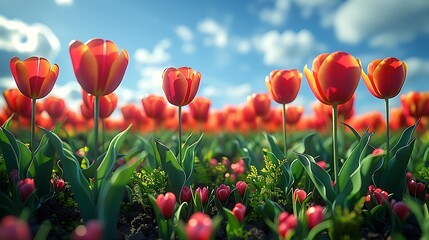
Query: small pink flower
x=92 y=230
x=222 y=192
x=12 y=227
x=241 y=187
x=239 y=212
x=400 y=209
x=286 y=222
x=186 y=194
x=378 y=152
x=166 y=204
x=300 y=194
x=26 y=187
x=321 y=164
x=314 y=216
x=199 y=227
x=203 y=193
x=238 y=167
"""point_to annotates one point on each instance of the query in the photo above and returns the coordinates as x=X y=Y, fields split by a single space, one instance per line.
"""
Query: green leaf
x=274 y=148
x=6 y=205
x=43 y=164
x=8 y=123
x=320 y=178
x=355 y=133
x=325 y=225
x=176 y=176
x=25 y=161
x=405 y=137
x=189 y=159
x=234 y=229
x=10 y=150
x=73 y=174
x=110 y=197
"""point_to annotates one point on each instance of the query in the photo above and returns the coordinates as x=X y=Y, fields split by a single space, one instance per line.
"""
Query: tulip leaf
x=25 y=162
x=320 y=178
x=274 y=148
x=111 y=195
x=8 y=123
x=43 y=164
x=6 y=205
x=107 y=164
x=405 y=137
x=73 y=174
x=234 y=229
x=189 y=159
x=10 y=150
x=176 y=176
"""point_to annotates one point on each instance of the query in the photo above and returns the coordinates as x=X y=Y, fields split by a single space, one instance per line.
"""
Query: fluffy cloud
x=417 y=67
x=384 y=23
x=187 y=36
x=288 y=49
x=225 y=93
x=277 y=14
x=217 y=34
x=64 y=2
x=151 y=80
x=157 y=56
x=310 y=6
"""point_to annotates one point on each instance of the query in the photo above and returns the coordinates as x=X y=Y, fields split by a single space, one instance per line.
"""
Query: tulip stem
x=103 y=134
x=95 y=150
x=284 y=130
x=33 y=127
x=387 y=129
x=334 y=140
x=180 y=135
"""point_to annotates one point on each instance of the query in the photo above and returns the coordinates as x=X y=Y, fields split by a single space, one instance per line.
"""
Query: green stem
x=33 y=127
x=180 y=135
x=387 y=128
x=334 y=140
x=284 y=129
x=103 y=134
x=95 y=150
x=154 y=128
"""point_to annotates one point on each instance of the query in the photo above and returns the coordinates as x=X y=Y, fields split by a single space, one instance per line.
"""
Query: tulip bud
x=286 y=222
x=199 y=227
x=300 y=194
x=314 y=216
x=239 y=212
x=13 y=228
x=241 y=187
x=321 y=164
x=186 y=194
x=203 y=193
x=26 y=187
x=57 y=184
x=222 y=192
x=166 y=204
x=401 y=210
x=92 y=230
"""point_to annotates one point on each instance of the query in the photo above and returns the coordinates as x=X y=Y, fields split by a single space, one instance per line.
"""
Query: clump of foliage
x=148 y=182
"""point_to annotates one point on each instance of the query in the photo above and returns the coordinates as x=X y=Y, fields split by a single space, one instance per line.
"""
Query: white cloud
x=310 y=6
x=417 y=67
x=157 y=56
x=277 y=14
x=64 y=2
x=243 y=46
x=287 y=49
x=20 y=37
x=225 y=93
x=151 y=80
x=184 y=33
x=188 y=48
x=384 y=23
x=217 y=34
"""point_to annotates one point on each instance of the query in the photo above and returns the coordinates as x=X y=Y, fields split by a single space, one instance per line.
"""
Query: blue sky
x=233 y=43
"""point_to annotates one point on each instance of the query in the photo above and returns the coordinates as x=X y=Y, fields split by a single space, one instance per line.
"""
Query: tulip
x=333 y=81
x=13 y=228
x=180 y=87
x=17 y=102
x=294 y=113
x=286 y=223
x=241 y=187
x=55 y=107
x=154 y=107
x=400 y=209
x=186 y=194
x=166 y=204
x=199 y=227
x=99 y=69
x=261 y=103
x=92 y=230
x=200 y=109
x=238 y=167
x=239 y=212
x=415 y=104
x=314 y=216
x=57 y=184
x=385 y=79
x=222 y=192
x=26 y=187
x=108 y=103
x=203 y=193
x=299 y=194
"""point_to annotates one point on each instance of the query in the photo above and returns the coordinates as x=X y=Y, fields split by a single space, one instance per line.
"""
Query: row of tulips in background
x=302 y=186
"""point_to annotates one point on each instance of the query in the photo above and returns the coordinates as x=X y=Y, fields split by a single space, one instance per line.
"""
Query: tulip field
x=173 y=168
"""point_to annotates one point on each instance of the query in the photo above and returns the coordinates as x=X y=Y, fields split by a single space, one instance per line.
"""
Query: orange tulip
x=98 y=65
x=154 y=106
x=335 y=77
x=18 y=103
x=415 y=104
x=385 y=77
x=294 y=113
x=55 y=107
x=346 y=109
x=108 y=103
x=261 y=103
x=180 y=85
x=200 y=109
x=284 y=85
x=34 y=76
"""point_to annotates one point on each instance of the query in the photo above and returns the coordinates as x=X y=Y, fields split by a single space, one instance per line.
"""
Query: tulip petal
x=195 y=83
x=22 y=79
x=85 y=66
x=117 y=72
x=389 y=76
x=49 y=81
x=314 y=86
x=370 y=85
x=175 y=86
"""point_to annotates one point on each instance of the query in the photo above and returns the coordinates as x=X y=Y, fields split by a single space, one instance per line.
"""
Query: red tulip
x=335 y=77
x=55 y=107
x=17 y=102
x=154 y=106
x=314 y=216
x=241 y=187
x=58 y=184
x=346 y=109
x=92 y=230
x=400 y=209
x=238 y=167
x=26 y=187
x=199 y=227
x=13 y=228
x=284 y=85
x=385 y=77
x=180 y=85
x=415 y=104
x=200 y=109
x=108 y=104
x=293 y=113
x=166 y=204
x=321 y=164
x=261 y=103
x=299 y=194
x=239 y=212
x=286 y=223
x=222 y=192
x=98 y=65
x=34 y=76
x=203 y=193
x=186 y=194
